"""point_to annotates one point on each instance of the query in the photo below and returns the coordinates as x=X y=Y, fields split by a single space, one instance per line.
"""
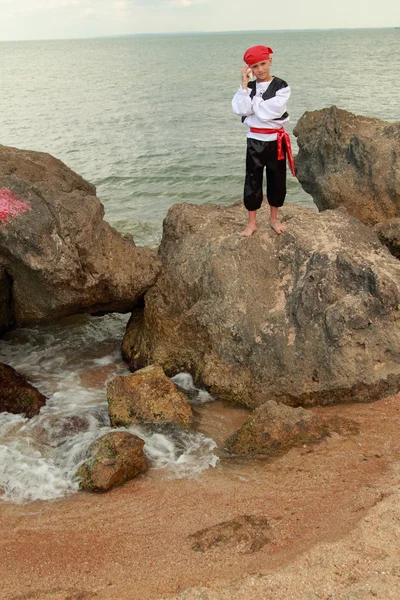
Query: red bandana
x=257 y=54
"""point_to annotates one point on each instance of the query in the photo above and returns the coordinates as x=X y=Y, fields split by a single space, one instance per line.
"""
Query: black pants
x=260 y=155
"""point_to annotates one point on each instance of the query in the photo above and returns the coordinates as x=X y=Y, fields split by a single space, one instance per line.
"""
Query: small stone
x=147 y=395
x=113 y=460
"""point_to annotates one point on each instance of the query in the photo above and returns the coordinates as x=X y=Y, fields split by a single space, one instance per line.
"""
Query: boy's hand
x=246 y=73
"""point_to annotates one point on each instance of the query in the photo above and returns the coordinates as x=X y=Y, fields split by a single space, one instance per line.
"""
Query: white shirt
x=261 y=113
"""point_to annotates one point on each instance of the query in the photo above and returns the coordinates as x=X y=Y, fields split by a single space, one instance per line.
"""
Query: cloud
x=178 y=3
x=90 y=7
x=149 y=2
x=61 y=8
x=185 y=2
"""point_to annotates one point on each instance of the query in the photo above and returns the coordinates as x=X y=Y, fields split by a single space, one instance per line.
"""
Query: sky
x=55 y=19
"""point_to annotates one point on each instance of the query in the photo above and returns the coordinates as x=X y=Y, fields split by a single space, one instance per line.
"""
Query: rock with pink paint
x=11 y=206
x=57 y=254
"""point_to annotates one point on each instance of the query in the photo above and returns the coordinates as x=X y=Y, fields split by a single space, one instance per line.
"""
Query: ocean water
x=70 y=362
x=148 y=120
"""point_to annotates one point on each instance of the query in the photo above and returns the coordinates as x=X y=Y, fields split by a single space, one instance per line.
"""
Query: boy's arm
x=273 y=108
x=242 y=104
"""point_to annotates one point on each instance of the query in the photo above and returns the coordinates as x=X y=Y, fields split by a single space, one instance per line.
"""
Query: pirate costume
x=262 y=107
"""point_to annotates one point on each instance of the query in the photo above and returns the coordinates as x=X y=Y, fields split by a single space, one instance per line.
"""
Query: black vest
x=275 y=85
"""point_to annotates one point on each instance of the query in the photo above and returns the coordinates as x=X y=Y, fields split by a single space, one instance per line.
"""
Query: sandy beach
x=332 y=511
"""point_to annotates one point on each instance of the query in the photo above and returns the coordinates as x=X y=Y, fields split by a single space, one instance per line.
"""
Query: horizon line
x=197 y=32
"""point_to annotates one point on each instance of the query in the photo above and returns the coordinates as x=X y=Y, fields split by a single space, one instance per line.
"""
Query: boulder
x=59 y=255
x=308 y=317
x=5 y=301
x=113 y=460
x=274 y=428
x=146 y=396
x=351 y=161
x=389 y=234
x=17 y=396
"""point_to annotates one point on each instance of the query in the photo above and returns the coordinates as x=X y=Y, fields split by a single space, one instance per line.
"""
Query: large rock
x=17 y=395
x=389 y=234
x=5 y=301
x=113 y=460
x=146 y=396
x=274 y=428
x=351 y=161
x=308 y=317
x=59 y=255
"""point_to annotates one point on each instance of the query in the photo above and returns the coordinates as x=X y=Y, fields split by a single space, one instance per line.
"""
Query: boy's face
x=261 y=70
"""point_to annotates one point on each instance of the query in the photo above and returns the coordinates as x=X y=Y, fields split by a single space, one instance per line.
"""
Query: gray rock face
x=308 y=317
x=351 y=161
x=59 y=255
x=114 y=459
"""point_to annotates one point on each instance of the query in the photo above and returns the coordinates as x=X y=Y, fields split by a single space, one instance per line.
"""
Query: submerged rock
x=59 y=255
x=308 y=317
x=351 y=161
x=114 y=459
x=274 y=428
x=146 y=396
x=246 y=534
x=17 y=395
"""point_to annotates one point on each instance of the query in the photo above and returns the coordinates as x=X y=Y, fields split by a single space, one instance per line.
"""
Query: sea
x=148 y=120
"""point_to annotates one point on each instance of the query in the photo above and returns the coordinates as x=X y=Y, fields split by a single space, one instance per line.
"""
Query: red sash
x=282 y=135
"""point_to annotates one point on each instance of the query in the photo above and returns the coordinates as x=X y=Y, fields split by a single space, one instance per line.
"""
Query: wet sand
x=132 y=543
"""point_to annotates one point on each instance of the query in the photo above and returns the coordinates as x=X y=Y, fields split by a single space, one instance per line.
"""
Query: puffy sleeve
x=242 y=104
x=273 y=108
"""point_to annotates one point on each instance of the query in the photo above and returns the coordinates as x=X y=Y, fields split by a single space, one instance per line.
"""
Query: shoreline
x=114 y=546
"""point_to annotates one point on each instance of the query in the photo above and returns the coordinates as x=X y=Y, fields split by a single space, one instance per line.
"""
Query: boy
x=262 y=106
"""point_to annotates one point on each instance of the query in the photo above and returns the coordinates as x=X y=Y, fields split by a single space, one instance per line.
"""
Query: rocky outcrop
x=308 y=317
x=113 y=460
x=17 y=395
x=274 y=428
x=59 y=256
x=351 y=161
x=146 y=396
x=389 y=234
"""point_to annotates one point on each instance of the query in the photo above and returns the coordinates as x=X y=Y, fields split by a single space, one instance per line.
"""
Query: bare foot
x=278 y=227
x=248 y=231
